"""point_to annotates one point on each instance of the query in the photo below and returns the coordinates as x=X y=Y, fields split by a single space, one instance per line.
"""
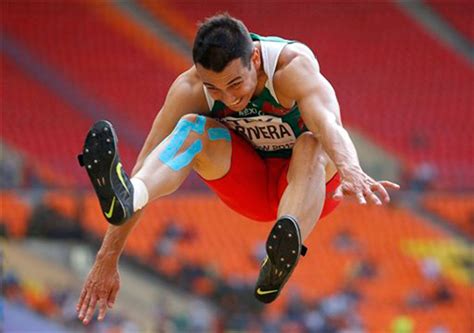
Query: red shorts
x=254 y=186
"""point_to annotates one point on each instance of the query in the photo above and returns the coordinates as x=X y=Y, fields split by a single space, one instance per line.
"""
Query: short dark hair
x=219 y=40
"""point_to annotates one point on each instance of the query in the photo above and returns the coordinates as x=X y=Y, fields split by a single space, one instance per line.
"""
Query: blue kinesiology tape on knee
x=218 y=134
x=199 y=125
x=176 y=141
x=186 y=156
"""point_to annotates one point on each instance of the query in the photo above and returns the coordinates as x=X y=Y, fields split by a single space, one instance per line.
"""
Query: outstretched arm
x=103 y=282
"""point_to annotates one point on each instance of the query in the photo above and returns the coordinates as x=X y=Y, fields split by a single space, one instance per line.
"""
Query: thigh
x=329 y=203
x=310 y=159
x=244 y=188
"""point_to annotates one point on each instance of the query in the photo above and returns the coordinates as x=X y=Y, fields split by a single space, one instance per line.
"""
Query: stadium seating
x=437 y=82
x=458 y=14
x=391 y=240
x=395 y=82
x=227 y=241
x=55 y=123
x=457 y=209
x=38 y=120
x=14 y=214
x=66 y=203
x=137 y=89
x=109 y=39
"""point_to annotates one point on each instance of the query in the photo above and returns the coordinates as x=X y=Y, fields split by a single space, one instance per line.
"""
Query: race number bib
x=266 y=133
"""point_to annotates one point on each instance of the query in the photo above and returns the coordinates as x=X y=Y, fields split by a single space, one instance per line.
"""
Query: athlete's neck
x=261 y=76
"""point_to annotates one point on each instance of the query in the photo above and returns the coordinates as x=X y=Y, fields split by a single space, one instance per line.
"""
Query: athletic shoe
x=284 y=248
x=100 y=157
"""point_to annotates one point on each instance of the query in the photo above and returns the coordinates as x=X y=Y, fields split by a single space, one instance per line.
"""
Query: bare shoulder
x=187 y=93
x=297 y=68
x=296 y=55
x=298 y=78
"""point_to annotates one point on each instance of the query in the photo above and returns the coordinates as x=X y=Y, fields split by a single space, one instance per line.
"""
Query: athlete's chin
x=240 y=106
x=240 y=109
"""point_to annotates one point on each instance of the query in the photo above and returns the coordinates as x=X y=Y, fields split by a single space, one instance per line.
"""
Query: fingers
x=379 y=187
x=85 y=304
x=372 y=197
x=390 y=185
x=102 y=308
x=105 y=303
x=90 y=310
x=81 y=299
x=360 y=198
x=382 y=191
x=338 y=195
x=112 y=296
x=89 y=302
x=366 y=192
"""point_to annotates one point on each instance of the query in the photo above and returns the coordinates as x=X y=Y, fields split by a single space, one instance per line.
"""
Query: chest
x=263 y=105
x=265 y=123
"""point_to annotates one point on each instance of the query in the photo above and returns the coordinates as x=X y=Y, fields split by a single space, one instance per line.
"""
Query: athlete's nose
x=230 y=99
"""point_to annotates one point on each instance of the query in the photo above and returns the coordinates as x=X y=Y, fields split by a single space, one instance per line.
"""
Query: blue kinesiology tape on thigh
x=176 y=141
x=218 y=134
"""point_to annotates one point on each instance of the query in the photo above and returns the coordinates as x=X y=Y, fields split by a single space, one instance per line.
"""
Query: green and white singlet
x=269 y=127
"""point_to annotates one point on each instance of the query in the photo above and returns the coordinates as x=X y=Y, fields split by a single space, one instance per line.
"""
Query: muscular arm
x=302 y=81
x=320 y=110
x=184 y=96
x=103 y=282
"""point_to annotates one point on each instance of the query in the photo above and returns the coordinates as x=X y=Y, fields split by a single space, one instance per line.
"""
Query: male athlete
x=260 y=124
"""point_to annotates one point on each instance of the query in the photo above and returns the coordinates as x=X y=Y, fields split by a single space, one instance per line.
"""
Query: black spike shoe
x=284 y=248
x=100 y=157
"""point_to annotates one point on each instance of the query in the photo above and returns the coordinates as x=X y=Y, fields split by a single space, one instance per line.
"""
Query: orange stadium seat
x=92 y=218
x=115 y=39
x=457 y=209
x=14 y=214
x=385 y=236
x=379 y=103
x=66 y=203
x=391 y=240
x=57 y=117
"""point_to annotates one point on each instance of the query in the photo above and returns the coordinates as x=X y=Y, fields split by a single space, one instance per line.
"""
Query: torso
x=270 y=122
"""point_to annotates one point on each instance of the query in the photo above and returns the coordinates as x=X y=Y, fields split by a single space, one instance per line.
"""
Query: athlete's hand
x=357 y=183
x=100 y=288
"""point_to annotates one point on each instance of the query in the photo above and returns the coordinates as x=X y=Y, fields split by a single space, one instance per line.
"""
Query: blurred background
x=403 y=72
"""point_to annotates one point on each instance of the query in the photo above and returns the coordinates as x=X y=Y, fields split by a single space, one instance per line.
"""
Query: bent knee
x=190 y=128
x=194 y=126
x=191 y=124
x=308 y=145
x=191 y=117
x=184 y=143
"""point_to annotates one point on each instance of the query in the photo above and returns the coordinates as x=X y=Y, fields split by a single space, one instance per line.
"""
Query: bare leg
x=303 y=199
x=304 y=196
x=212 y=162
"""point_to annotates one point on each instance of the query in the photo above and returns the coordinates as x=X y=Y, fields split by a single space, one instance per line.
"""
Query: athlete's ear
x=255 y=58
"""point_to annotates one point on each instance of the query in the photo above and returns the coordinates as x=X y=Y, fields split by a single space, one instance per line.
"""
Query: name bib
x=265 y=133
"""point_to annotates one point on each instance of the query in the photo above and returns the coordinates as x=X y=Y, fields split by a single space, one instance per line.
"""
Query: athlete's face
x=235 y=85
